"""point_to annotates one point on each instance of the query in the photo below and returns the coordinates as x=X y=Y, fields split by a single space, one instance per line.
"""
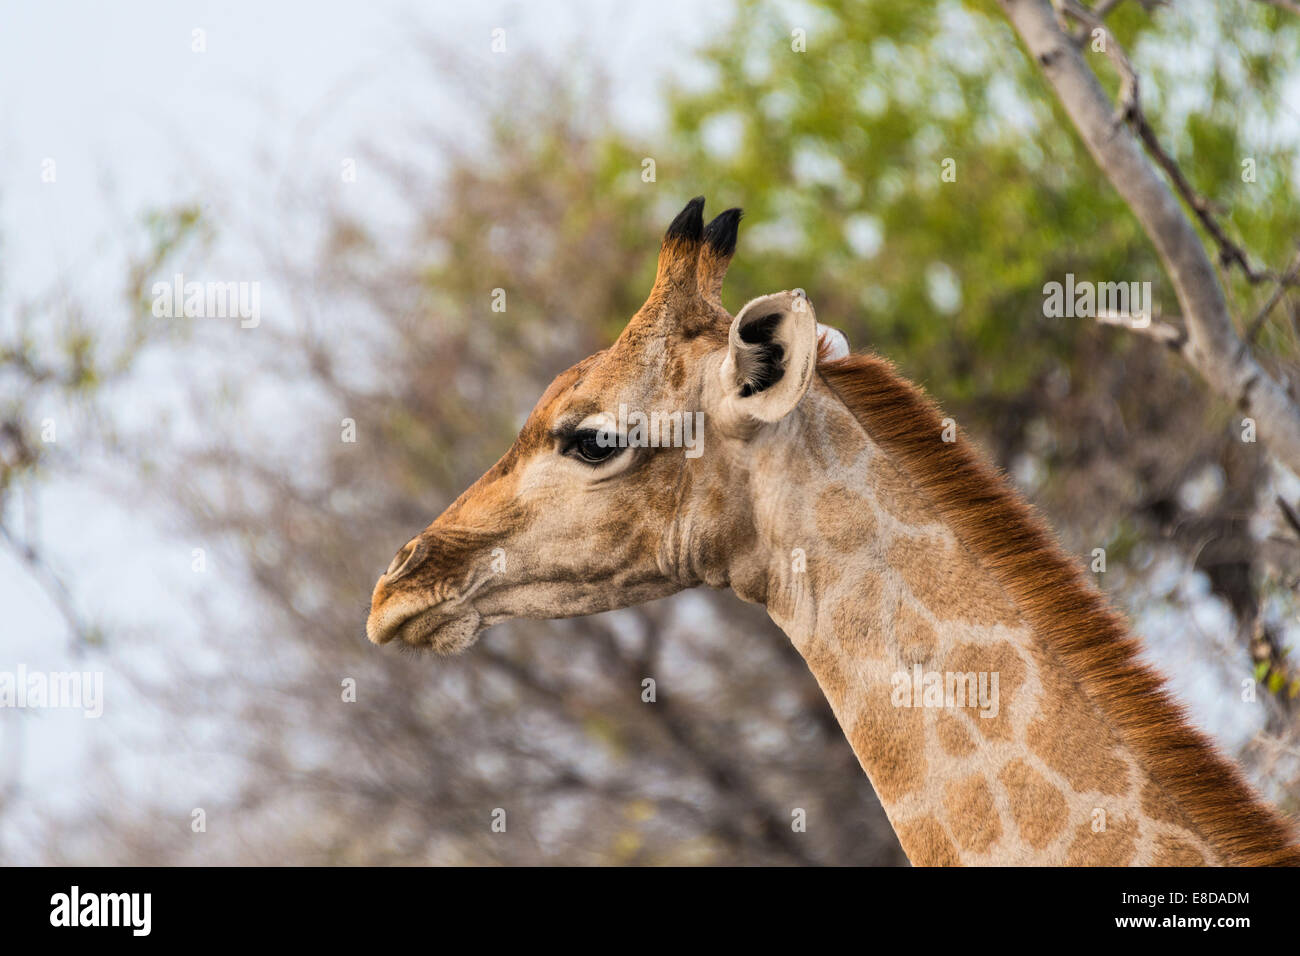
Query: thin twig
x=1279 y=291
x=1128 y=106
x=1229 y=252
x=53 y=586
x=1171 y=335
x=1291 y=518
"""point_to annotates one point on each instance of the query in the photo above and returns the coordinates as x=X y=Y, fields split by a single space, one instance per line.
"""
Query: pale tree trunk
x=1211 y=343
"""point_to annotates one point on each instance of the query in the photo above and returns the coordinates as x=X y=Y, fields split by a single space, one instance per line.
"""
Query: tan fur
x=1038 y=808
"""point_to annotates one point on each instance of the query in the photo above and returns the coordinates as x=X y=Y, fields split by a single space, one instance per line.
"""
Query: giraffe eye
x=594 y=447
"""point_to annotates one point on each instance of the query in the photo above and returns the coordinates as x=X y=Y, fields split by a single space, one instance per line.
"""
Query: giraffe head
x=625 y=483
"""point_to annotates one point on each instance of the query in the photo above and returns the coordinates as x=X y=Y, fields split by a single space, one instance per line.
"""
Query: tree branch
x=1163 y=332
x=1213 y=346
x=49 y=580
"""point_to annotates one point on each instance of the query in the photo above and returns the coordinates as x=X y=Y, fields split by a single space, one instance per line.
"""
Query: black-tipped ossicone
x=689 y=224
x=720 y=234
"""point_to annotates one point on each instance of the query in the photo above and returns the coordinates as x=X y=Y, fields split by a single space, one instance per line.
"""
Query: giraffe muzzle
x=446 y=627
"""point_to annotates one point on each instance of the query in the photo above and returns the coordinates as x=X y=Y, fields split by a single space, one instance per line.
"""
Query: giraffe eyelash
x=585 y=445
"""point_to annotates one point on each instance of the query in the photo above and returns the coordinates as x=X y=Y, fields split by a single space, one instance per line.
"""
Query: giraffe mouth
x=444 y=628
x=442 y=620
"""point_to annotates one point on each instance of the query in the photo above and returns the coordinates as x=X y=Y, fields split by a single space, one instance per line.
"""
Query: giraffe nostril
x=401 y=559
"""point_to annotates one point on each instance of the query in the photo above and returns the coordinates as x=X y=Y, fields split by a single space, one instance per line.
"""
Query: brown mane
x=1063 y=609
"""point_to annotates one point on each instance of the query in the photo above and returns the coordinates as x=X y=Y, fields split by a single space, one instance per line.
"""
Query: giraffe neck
x=982 y=745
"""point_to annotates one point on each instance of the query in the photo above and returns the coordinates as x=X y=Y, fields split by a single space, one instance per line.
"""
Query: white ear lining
x=797 y=336
x=837 y=341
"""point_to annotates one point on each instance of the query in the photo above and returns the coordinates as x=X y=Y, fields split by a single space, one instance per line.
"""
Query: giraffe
x=994 y=700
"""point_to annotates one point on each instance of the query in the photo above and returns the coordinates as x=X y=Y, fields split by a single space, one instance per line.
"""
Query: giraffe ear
x=771 y=352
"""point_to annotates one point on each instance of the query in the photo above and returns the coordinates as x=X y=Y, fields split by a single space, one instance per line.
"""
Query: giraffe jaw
x=446 y=637
x=447 y=627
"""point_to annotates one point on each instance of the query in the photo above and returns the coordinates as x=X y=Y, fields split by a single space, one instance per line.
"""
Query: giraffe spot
x=677 y=374
x=631 y=505
x=926 y=844
x=1157 y=805
x=715 y=501
x=845 y=436
x=823 y=659
x=972 y=818
x=890 y=743
x=844 y=519
x=613 y=532
x=1171 y=851
x=754 y=585
x=716 y=544
x=1069 y=734
x=798 y=472
x=1113 y=846
x=948 y=583
x=1037 y=806
x=640 y=550
x=899 y=496
x=954 y=738
x=915 y=636
x=1005 y=671
x=856 y=620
